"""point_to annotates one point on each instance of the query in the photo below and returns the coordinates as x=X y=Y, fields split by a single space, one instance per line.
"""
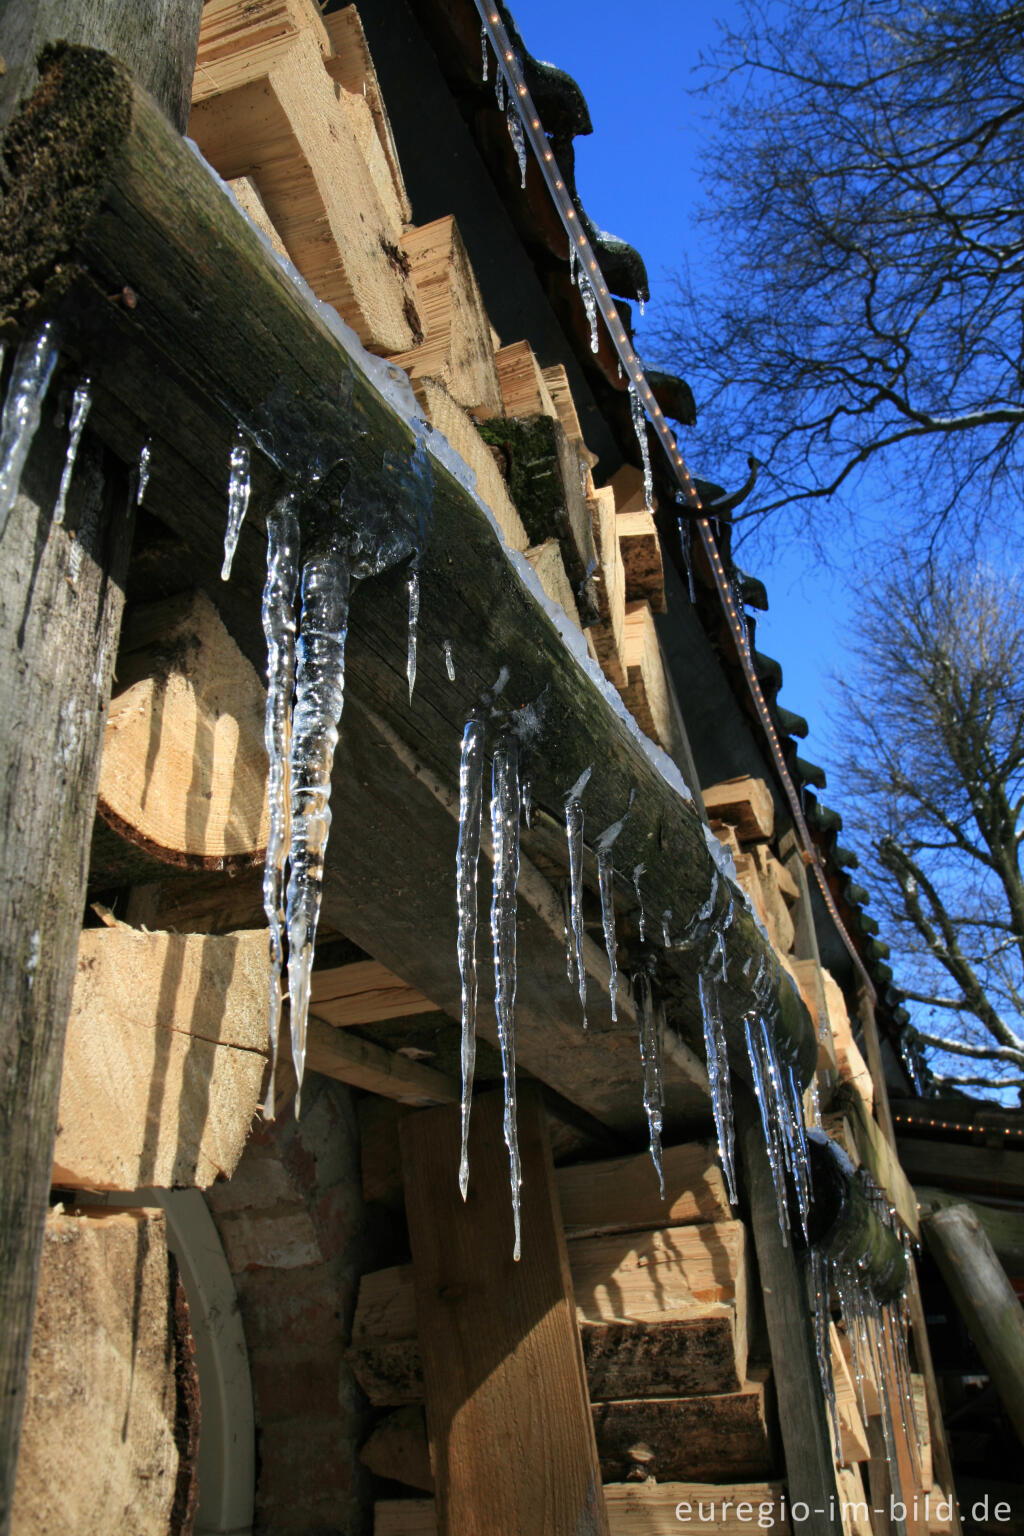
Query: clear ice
x=499 y=88
x=573 y=261
x=818 y=1282
x=31 y=373
x=515 y=132
x=484 y=52
x=239 y=486
x=471 y=783
x=80 y=406
x=589 y=298
x=143 y=472
x=527 y=801
x=278 y=613
x=449 y=661
x=574 y=837
x=413 y=589
x=505 y=816
x=769 y=1120
x=640 y=428
x=642 y=919
x=606 y=885
x=717 y=1055
x=319 y=696
x=649 y=1031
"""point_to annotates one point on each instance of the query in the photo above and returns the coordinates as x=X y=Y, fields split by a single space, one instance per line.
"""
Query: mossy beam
x=189 y=327
x=844 y=1225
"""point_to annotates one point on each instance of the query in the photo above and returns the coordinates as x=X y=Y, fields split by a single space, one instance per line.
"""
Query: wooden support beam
x=164 y=1061
x=350 y=1059
x=732 y=1509
x=58 y=642
x=511 y=1438
x=985 y=1300
x=351 y=66
x=363 y=992
x=806 y=1437
x=145 y=214
x=746 y=803
x=621 y=1194
x=952 y=1165
x=1004 y=1227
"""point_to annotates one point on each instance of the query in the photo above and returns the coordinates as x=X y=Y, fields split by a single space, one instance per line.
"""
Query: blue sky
x=637 y=176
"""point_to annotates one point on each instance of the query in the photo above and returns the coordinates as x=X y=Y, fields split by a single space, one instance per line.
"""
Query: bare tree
x=932 y=751
x=865 y=183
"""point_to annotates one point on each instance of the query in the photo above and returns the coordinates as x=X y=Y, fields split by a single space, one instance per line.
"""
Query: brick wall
x=291 y=1221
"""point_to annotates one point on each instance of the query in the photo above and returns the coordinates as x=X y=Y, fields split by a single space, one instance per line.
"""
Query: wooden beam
x=746 y=803
x=362 y=993
x=58 y=640
x=985 y=1300
x=511 y=1439
x=1003 y=1226
x=806 y=1437
x=952 y=1165
x=161 y=224
x=621 y=1194
x=732 y=1509
x=165 y=1056
x=350 y=1059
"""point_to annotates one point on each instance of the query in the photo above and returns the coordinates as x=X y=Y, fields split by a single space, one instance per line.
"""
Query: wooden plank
x=849 y=1061
x=523 y=390
x=641 y=559
x=805 y=1433
x=102 y=1390
x=397 y=1449
x=852 y=1431
x=557 y=381
x=164 y=1061
x=746 y=803
x=456 y=348
x=646 y=693
x=363 y=992
x=985 y=1300
x=454 y=423
x=249 y=200
x=878 y=1156
x=267 y=108
x=608 y=636
x=405 y=1517
x=546 y=560
x=658 y=1509
x=1003 y=1227
x=854 y=1504
x=511 y=1441
x=349 y=1059
x=952 y=1165
x=723 y=1438
x=621 y=1194
x=628 y=486
x=351 y=66
x=184 y=769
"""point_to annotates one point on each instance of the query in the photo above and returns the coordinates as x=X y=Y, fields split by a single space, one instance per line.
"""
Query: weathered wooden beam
x=1003 y=1226
x=349 y=1059
x=985 y=1300
x=220 y=335
x=806 y=1438
x=362 y=993
x=954 y=1165
x=508 y=1416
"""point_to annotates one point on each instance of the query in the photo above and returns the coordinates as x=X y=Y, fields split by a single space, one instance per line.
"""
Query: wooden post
x=508 y=1415
x=985 y=1300
x=58 y=640
x=806 y=1440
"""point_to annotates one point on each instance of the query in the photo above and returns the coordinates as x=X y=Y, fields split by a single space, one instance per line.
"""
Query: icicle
x=31 y=373
x=505 y=812
x=515 y=133
x=80 y=406
x=279 y=628
x=570 y=955
x=717 y=1056
x=685 y=543
x=499 y=88
x=648 y=1025
x=319 y=697
x=641 y=306
x=527 y=801
x=815 y=1102
x=618 y=365
x=142 y=477
x=666 y=928
x=471 y=786
x=413 y=588
x=573 y=260
x=762 y=1089
x=449 y=661
x=589 y=298
x=485 y=52
x=642 y=920
x=818 y=1283
x=584 y=473
x=574 y=836
x=605 y=879
x=640 y=428
x=239 y=486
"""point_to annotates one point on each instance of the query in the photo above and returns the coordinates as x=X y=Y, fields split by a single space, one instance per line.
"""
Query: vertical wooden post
x=508 y=1414
x=58 y=640
x=806 y=1439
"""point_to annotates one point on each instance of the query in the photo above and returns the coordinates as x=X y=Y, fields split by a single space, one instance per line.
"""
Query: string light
x=533 y=130
x=955 y=1125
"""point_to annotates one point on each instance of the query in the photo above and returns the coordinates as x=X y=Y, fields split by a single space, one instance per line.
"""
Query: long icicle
x=606 y=885
x=412 y=587
x=574 y=836
x=471 y=783
x=239 y=487
x=31 y=373
x=718 y=1075
x=640 y=427
x=505 y=818
x=649 y=1032
x=278 y=614
x=80 y=407
x=319 y=697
